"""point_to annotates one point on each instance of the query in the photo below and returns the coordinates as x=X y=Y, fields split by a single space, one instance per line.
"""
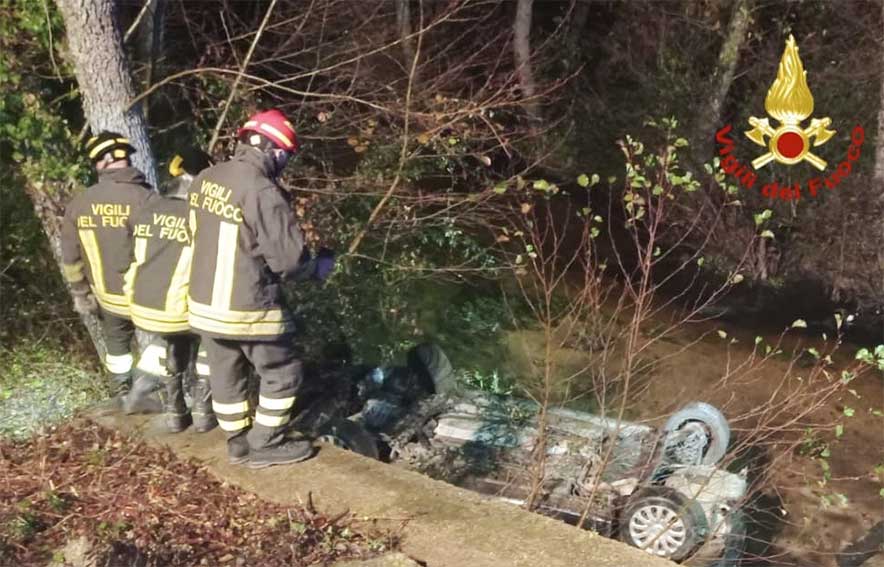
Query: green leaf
x=799 y=323
x=848 y=411
x=767 y=234
x=583 y=180
x=657 y=190
x=758 y=340
x=595 y=179
x=839 y=430
x=541 y=184
x=722 y=334
x=737 y=278
x=701 y=261
x=680 y=143
x=500 y=188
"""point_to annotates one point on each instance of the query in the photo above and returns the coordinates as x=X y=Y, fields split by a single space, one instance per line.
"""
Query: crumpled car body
x=662 y=490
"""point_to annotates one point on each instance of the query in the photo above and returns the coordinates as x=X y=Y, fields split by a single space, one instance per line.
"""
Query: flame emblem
x=790 y=102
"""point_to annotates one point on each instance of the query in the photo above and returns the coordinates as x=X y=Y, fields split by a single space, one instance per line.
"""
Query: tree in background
x=95 y=48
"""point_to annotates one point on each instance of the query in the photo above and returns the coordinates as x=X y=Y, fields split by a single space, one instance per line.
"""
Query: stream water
x=803 y=517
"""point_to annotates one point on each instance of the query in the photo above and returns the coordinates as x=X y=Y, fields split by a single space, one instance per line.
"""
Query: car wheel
x=430 y=361
x=348 y=435
x=693 y=420
x=663 y=522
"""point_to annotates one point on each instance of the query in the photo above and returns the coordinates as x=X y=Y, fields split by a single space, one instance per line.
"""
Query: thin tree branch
x=239 y=76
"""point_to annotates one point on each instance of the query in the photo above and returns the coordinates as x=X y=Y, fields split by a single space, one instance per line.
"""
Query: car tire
x=349 y=435
x=682 y=519
x=717 y=429
x=432 y=364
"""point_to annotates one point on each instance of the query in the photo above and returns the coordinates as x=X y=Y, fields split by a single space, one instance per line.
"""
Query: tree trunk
x=728 y=58
x=95 y=48
x=522 y=53
x=49 y=207
x=879 y=171
x=403 y=24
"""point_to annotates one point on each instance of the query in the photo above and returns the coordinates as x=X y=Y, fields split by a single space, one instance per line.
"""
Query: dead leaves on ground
x=85 y=480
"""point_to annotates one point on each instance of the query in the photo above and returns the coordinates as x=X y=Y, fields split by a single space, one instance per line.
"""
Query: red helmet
x=275 y=127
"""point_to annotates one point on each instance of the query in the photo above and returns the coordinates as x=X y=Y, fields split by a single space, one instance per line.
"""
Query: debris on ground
x=84 y=491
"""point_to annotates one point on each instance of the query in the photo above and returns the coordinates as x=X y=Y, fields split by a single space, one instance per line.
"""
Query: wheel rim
x=657 y=529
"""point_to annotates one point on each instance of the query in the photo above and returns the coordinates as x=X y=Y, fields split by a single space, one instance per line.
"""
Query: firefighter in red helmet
x=245 y=243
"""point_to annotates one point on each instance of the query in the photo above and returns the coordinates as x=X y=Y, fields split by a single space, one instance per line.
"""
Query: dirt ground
x=799 y=529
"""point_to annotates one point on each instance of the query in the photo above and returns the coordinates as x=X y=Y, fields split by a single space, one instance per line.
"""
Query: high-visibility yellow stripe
x=176 y=295
x=90 y=246
x=73 y=273
x=237 y=425
x=231 y=408
x=158 y=314
x=132 y=273
x=280 y=137
x=122 y=311
x=140 y=249
x=237 y=317
x=222 y=287
x=239 y=323
x=271 y=420
x=203 y=369
x=149 y=361
x=276 y=403
x=97 y=150
x=191 y=223
x=118 y=363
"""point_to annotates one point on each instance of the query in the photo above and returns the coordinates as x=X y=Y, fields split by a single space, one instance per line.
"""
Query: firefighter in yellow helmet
x=156 y=285
x=246 y=241
x=96 y=239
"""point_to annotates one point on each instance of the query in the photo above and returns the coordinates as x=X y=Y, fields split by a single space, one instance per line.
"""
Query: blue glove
x=325 y=264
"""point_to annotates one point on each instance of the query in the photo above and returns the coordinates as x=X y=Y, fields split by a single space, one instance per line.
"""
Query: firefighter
x=96 y=238
x=246 y=241
x=156 y=285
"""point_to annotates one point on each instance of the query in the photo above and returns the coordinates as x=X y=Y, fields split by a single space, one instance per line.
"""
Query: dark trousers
x=280 y=373
x=118 y=333
x=169 y=355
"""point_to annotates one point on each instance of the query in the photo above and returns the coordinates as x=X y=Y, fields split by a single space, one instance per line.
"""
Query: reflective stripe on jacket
x=96 y=235
x=245 y=240
x=156 y=283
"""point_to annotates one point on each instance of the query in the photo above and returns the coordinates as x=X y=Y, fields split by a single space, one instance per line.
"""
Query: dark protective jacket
x=157 y=280
x=245 y=241
x=96 y=235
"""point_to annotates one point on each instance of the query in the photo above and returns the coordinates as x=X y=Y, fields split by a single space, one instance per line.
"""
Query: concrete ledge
x=442 y=525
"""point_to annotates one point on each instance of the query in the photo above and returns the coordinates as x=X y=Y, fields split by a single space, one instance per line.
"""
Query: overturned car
x=658 y=490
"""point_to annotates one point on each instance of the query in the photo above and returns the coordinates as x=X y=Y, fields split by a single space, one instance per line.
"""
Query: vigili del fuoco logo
x=789 y=102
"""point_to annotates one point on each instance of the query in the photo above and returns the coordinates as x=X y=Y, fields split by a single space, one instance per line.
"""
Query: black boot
x=203 y=415
x=176 y=415
x=284 y=453
x=140 y=398
x=238 y=449
x=120 y=386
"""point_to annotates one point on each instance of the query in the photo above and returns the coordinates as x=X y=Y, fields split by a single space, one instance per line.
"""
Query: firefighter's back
x=158 y=279
x=232 y=292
